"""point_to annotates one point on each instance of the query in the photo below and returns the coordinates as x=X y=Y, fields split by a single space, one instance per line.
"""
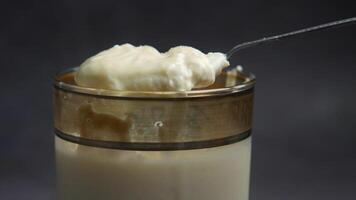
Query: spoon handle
x=290 y=34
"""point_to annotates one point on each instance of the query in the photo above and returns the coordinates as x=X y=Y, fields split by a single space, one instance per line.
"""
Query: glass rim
x=249 y=82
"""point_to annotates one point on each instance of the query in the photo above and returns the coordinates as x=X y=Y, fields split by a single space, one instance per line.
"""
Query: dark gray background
x=305 y=111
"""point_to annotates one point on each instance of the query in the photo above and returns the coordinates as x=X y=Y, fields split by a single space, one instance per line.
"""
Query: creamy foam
x=143 y=68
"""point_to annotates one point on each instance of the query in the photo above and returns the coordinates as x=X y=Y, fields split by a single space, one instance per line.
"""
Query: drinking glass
x=134 y=145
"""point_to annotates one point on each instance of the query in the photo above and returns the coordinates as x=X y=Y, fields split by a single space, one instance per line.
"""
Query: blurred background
x=305 y=112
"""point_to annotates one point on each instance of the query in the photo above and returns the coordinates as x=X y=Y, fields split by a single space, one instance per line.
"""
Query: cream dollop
x=143 y=68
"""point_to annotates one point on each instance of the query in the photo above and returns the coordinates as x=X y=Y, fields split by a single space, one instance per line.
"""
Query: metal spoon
x=290 y=35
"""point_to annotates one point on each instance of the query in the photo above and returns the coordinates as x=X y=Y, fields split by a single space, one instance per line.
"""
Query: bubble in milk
x=158 y=124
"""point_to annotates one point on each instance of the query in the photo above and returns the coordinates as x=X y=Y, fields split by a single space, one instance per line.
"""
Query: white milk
x=91 y=173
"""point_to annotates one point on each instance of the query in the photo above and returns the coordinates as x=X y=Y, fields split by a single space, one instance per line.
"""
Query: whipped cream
x=143 y=68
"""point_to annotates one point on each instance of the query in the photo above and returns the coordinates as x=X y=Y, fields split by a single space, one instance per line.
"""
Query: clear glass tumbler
x=129 y=145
